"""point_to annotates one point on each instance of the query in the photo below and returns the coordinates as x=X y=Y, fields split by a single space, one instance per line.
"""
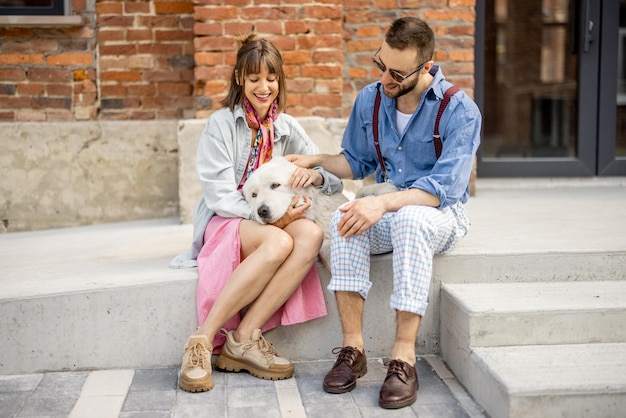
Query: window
x=33 y=7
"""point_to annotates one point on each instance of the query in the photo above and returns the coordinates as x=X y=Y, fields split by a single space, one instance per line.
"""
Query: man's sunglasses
x=396 y=75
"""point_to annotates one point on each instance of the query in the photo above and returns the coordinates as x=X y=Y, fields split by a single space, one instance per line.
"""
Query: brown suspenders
x=436 y=137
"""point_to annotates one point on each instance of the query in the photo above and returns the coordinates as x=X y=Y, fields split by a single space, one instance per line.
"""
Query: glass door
x=539 y=84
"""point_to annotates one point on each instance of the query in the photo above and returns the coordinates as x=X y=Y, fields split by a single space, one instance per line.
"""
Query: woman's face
x=261 y=90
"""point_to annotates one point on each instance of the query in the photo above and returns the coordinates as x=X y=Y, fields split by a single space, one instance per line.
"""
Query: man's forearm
x=336 y=164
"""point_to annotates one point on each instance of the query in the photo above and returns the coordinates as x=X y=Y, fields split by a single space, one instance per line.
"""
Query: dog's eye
x=275 y=186
x=254 y=195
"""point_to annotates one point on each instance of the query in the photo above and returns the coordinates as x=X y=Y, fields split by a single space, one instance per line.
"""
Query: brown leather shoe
x=350 y=365
x=400 y=386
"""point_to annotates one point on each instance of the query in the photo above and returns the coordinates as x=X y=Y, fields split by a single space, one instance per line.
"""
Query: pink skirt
x=220 y=256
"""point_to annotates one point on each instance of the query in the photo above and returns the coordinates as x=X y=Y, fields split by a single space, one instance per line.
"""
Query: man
x=424 y=217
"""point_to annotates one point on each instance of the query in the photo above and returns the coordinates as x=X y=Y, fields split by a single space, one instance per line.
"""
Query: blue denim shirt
x=410 y=158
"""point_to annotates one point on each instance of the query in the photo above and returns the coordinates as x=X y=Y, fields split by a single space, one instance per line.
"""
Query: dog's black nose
x=263 y=211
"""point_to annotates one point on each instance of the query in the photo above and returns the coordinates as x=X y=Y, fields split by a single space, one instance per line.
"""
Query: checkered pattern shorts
x=415 y=234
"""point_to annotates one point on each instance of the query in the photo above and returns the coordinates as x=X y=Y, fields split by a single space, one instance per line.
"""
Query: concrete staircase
x=527 y=311
x=540 y=339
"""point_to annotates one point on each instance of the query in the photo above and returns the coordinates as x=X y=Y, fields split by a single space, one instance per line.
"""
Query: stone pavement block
x=108 y=383
x=57 y=405
x=153 y=400
x=154 y=379
x=20 y=383
x=60 y=383
x=11 y=402
x=98 y=406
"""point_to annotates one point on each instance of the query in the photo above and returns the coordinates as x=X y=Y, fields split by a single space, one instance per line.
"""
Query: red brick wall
x=134 y=60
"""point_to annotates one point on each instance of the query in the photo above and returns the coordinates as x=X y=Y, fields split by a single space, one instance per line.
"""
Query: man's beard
x=404 y=89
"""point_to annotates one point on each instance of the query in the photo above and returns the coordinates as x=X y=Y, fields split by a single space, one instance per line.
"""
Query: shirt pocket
x=421 y=152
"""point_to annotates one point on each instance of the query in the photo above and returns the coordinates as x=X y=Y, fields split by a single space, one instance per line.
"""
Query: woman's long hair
x=252 y=53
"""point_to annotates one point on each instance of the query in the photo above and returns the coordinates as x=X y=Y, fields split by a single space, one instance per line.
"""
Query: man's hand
x=301 y=160
x=359 y=215
x=297 y=207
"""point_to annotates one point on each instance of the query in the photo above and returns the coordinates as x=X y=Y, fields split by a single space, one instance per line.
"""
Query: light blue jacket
x=221 y=161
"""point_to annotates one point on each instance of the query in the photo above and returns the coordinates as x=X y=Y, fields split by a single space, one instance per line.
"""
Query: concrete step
x=502 y=314
x=574 y=381
x=96 y=297
x=538 y=349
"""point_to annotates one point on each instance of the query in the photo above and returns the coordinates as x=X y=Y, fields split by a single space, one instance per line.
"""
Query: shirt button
x=400 y=170
x=400 y=148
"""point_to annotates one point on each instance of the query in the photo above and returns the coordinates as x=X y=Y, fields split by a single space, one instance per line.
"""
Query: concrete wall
x=76 y=173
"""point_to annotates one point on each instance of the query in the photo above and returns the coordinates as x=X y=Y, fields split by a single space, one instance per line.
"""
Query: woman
x=251 y=277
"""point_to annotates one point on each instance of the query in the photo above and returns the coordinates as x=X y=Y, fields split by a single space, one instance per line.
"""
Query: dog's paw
x=375 y=189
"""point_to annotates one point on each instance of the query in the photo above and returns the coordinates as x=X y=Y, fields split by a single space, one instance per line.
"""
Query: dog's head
x=267 y=190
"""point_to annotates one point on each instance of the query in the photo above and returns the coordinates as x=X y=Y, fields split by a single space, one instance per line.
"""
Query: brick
x=313 y=42
x=215 y=44
x=300 y=85
x=68 y=59
x=270 y=13
x=59 y=90
x=181 y=63
x=209 y=58
x=43 y=74
x=7 y=116
x=136 y=7
x=110 y=35
x=208 y=28
x=173 y=35
x=30 y=46
x=144 y=89
x=113 y=91
x=124 y=49
x=328 y=86
x=272 y=27
x=139 y=35
x=370 y=31
x=12 y=74
x=173 y=7
x=142 y=115
x=321 y=100
x=31 y=89
x=297 y=57
x=141 y=62
x=297 y=27
x=8 y=89
x=28 y=115
x=158 y=21
x=321 y=71
x=51 y=103
x=159 y=49
x=326 y=27
x=130 y=75
x=21 y=59
x=321 y=12
x=216 y=13
x=356 y=5
x=320 y=57
x=174 y=89
x=59 y=115
x=108 y=7
x=214 y=87
x=115 y=21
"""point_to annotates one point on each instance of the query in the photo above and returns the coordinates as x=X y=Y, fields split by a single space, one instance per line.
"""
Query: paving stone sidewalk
x=153 y=393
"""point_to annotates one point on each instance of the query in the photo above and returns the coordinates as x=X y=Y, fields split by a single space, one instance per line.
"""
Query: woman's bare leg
x=307 y=241
x=264 y=249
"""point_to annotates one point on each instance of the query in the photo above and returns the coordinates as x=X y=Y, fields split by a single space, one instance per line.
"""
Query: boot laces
x=198 y=355
x=265 y=347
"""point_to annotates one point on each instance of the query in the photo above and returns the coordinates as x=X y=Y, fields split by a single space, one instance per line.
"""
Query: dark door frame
x=597 y=115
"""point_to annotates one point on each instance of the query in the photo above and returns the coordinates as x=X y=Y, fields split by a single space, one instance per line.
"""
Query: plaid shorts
x=415 y=234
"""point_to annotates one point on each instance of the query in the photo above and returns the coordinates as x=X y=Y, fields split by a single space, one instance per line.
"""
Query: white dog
x=269 y=195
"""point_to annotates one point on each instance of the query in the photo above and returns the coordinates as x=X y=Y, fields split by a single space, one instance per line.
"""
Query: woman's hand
x=299 y=204
x=303 y=177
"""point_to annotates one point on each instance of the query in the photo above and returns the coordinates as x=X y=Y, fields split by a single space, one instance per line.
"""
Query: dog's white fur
x=269 y=195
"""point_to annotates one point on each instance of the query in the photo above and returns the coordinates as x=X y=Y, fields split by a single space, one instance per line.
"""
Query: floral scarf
x=261 y=149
